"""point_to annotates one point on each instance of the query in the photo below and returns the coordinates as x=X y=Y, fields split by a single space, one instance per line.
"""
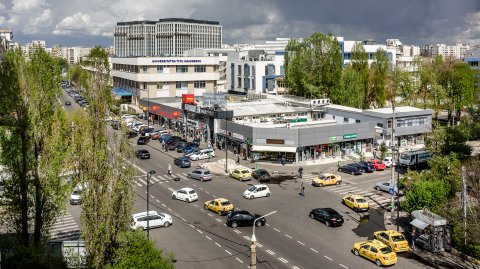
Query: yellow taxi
x=326 y=179
x=241 y=174
x=355 y=202
x=393 y=239
x=220 y=206
x=375 y=251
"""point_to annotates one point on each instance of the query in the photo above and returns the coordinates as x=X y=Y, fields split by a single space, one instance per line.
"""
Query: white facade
x=456 y=51
x=165 y=37
x=370 y=50
x=405 y=54
x=154 y=77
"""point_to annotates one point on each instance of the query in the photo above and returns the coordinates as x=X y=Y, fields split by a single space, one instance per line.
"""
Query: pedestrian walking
x=300 y=172
x=169 y=171
x=302 y=190
x=163 y=144
x=238 y=158
x=282 y=160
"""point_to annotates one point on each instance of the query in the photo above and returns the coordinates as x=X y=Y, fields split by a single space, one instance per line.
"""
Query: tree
x=103 y=165
x=378 y=79
x=32 y=139
x=351 y=91
x=425 y=193
x=360 y=65
x=136 y=251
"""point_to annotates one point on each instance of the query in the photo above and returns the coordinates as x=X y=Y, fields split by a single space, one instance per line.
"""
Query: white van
x=76 y=196
x=203 y=154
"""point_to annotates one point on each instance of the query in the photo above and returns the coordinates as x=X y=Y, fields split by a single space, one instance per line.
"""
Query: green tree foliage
x=32 y=139
x=351 y=91
x=425 y=193
x=136 y=251
x=378 y=79
x=360 y=65
x=104 y=166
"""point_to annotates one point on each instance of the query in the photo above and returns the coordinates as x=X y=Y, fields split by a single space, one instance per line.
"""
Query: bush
x=425 y=193
x=472 y=250
x=32 y=257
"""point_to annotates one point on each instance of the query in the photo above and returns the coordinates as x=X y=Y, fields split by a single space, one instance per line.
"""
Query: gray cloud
x=91 y=22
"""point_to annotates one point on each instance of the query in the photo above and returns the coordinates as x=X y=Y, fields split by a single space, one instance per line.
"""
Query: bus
x=415 y=159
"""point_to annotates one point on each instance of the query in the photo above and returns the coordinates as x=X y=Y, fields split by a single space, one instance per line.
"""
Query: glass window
x=200 y=69
x=144 y=69
x=182 y=69
x=160 y=69
x=199 y=84
x=345 y=120
x=183 y=85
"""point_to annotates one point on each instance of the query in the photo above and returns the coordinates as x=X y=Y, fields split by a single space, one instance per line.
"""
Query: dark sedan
x=143 y=154
x=143 y=140
x=183 y=162
x=367 y=167
x=68 y=103
x=350 y=169
x=261 y=174
x=244 y=218
x=328 y=216
x=131 y=134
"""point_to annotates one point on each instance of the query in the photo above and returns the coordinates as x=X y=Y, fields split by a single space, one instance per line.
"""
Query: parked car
x=388 y=161
x=200 y=174
x=76 y=196
x=143 y=154
x=68 y=103
x=385 y=186
x=355 y=202
x=375 y=251
x=350 y=169
x=261 y=175
x=131 y=134
x=366 y=166
x=143 y=140
x=147 y=131
x=139 y=220
x=137 y=127
x=327 y=179
x=244 y=218
x=256 y=191
x=219 y=206
x=185 y=194
x=241 y=174
x=395 y=240
x=378 y=164
x=189 y=149
x=328 y=216
x=182 y=162
x=203 y=154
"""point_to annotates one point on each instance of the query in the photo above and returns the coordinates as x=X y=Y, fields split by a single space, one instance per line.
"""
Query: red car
x=377 y=164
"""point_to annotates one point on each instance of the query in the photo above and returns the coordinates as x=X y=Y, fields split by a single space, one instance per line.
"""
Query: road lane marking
x=210 y=214
x=194 y=185
x=200 y=189
x=326 y=257
x=276 y=229
x=199 y=231
x=283 y=260
x=158 y=201
x=208 y=237
x=143 y=181
x=239 y=260
x=295 y=267
x=314 y=250
x=301 y=243
x=195 y=205
x=218 y=244
x=270 y=252
x=259 y=245
x=246 y=237
x=228 y=252
x=267 y=224
x=172 y=190
x=184 y=178
x=343 y=266
x=176 y=215
x=139 y=184
x=354 y=190
x=152 y=196
x=184 y=219
x=207 y=192
x=219 y=220
x=169 y=209
x=191 y=225
x=237 y=231
x=164 y=205
x=161 y=178
x=288 y=236
x=214 y=195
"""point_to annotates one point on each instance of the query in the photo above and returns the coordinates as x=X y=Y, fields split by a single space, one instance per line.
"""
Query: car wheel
x=312 y=216
x=353 y=173
x=378 y=263
x=205 y=207
x=327 y=223
x=188 y=200
x=189 y=176
x=338 y=182
x=339 y=170
x=201 y=179
x=258 y=224
x=320 y=184
x=220 y=212
x=196 y=159
x=174 y=197
x=377 y=188
x=268 y=194
x=251 y=197
x=234 y=225
x=166 y=224
x=355 y=252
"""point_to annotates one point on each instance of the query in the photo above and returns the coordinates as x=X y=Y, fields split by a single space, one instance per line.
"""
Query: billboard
x=211 y=99
x=188 y=98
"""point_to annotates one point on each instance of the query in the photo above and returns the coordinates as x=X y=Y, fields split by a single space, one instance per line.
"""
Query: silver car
x=200 y=174
x=385 y=186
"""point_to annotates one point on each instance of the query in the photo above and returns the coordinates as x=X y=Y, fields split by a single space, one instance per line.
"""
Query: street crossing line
x=143 y=181
x=65 y=228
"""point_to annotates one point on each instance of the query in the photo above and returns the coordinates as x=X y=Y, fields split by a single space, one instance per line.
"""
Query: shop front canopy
x=274 y=149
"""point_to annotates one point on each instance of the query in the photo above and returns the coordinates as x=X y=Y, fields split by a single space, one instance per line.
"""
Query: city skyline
x=89 y=23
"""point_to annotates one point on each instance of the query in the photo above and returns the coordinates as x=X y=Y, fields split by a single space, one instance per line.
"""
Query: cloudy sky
x=91 y=22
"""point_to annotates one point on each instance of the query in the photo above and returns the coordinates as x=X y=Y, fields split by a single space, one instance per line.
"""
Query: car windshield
x=386 y=250
x=397 y=238
x=191 y=192
x=405 y=157
x=252 y=188
x=206 y=173
x=245 y=171
x=322 y=177
x=360 y=200
x=76 y=192
x=226 y=203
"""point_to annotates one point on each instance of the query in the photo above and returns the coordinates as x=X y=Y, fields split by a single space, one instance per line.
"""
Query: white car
x=128 y=116
x=202 y=154
x=185 y=194
x=136 y=128
x=76 y=196
x=388 y=161
x=256 y=191
x=139 y=220
x=132 y=123
x=385 y=186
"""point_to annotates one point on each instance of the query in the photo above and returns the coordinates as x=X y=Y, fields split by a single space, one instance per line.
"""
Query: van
x=76 y=196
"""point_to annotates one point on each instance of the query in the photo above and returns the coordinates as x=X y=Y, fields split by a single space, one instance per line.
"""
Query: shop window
x=345 y=120
x=357 y=121
x=160 y=69
x=389 y=124
x=182 y=69
x=183 y=85
x=200 y=69
x=144 y=69
x=199 y=84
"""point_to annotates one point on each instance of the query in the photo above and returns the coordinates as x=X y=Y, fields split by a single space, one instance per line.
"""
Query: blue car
x=367 y=167
x=350 y=169
x=189 y=149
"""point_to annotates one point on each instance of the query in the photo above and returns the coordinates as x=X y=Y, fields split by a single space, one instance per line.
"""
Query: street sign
x=349 y=136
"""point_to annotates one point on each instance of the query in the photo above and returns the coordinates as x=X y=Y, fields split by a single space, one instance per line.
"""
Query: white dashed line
x=259 y=245
x=176 y=215
x=239 y=260
x=246 y=237
x=295 y=267
x=276 y=229
x=164 y=205
x=270 y=252
x=172 y=190
x=207 y=192
x=157 y=200
x=184 y=219
x=201 y=189
x=199 y=231
x=152 y=196
x=316 y=251
x=145 y=191
x=214 y=195
x=301 y=243
x=194 y=185
x=195 y=205
x=267 y=224
x=228 y=252
x=288 y=236
x=208 y=237
x=237 y=231
x=343 y=266
x=328 y=258
x=191 y=225
x=282 y=260
x=169 y=209
x=219 y=220
x=210 y=214
x=218 y=244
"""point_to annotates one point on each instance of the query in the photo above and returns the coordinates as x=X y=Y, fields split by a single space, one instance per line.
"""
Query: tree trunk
x=24 y=190
x=38 y=203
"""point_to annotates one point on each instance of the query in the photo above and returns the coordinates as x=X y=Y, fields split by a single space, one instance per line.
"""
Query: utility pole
x=392 y=179
x=149 y=175
x=464 y=204
x=398 y=187
x=226 y=142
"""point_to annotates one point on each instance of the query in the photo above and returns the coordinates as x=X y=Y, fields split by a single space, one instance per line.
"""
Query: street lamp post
x=226 y=142
x=148 y=108
x=253 y=244
x=149 y=175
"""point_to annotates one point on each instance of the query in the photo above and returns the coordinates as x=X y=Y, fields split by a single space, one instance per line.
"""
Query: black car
x=131 y=134
x=174 y=145
x=328 y=216
x=143 y=154
x=350 y=169
x=183 y=162
x=261 y=174
x=68 y=103
x=143 y=140
x=244 y=218
x=367 y=167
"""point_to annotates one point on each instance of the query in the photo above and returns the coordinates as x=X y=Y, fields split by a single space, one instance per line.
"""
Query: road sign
x=391 y=191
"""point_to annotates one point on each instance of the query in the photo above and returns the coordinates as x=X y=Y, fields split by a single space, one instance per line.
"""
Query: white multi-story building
x=370 y=48
x=456 y=51
x=165 y=37
x=6 y=40
x=405 y=54
x=154 y=77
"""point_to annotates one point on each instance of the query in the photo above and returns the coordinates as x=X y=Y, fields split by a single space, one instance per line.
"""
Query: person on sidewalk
x=282 y=160
x=163 y=143
x=300 y=172
x=169 y=171
x=238 y=158
x=302 y=190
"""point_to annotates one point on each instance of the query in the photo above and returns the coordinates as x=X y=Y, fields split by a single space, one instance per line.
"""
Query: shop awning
x=274 y=149
x=419 y=224
x=121 y=92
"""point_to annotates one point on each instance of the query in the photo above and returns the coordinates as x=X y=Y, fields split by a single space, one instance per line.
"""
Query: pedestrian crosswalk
x=142 y=181
x=374 y=199
x=65 y=228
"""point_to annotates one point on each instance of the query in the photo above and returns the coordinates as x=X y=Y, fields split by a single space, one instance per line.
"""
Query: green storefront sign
x=333 y=138
x=349 y=136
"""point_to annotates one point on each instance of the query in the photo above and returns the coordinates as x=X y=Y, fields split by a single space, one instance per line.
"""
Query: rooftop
x=400 y=109
x=299 y=125
x=169 y=20
x=344 y=108
x=241 y=109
